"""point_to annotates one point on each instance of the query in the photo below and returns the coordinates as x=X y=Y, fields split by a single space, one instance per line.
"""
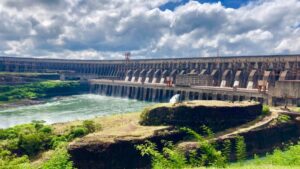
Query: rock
x=115 y=148
x=217 y=115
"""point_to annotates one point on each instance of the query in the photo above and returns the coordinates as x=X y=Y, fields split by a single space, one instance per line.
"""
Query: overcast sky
x=105 y=29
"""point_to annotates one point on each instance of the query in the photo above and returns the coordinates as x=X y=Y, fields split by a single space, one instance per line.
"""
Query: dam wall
x=222 y=78
x=162 y=93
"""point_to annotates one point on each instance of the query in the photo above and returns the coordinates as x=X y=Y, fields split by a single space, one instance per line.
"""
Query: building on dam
x=271 y=79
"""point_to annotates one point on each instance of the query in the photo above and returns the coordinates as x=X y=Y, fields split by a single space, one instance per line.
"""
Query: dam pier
x=271 y=79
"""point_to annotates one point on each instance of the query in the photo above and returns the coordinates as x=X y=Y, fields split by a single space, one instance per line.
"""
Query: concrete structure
x=221 y=78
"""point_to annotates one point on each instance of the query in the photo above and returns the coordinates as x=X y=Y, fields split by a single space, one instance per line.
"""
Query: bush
x=77 y=131
x=227 y=150
x=57 y=140
x=46 y=129
x=30 y=144
x=59 y=160
x=169 y=158
x=209 y=155
x=26 y=139
x=282 y=118
x=266 y=110
x=240 y=148
x=13 y=162
x=89 y=125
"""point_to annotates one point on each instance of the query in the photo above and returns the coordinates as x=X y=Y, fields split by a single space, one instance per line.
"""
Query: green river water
x=70 y=108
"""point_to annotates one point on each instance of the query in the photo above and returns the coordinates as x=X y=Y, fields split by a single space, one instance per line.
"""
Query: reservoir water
x=77 y=107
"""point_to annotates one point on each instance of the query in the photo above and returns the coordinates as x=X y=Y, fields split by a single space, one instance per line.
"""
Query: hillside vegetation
x=37 y=90
x=22 y=143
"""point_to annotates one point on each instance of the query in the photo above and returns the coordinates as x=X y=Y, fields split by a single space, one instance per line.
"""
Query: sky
x=106 y=29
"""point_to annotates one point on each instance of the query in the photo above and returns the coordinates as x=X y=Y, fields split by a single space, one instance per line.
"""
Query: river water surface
x=70 y=108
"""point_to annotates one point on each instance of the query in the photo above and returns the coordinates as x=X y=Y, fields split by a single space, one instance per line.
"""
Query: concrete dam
x=270 y=79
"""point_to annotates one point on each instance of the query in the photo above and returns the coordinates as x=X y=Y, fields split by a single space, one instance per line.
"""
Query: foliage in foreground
x=289 y=156
x=20 y=143
x=59 y=160
x=9 y=161
x=170 y=157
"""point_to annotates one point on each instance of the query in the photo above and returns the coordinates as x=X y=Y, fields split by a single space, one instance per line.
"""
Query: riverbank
x=34 y=93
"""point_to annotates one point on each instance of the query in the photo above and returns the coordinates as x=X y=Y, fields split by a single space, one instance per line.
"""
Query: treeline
x=43 y=89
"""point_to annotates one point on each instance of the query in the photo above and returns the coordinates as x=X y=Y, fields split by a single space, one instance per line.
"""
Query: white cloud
x=105 y=29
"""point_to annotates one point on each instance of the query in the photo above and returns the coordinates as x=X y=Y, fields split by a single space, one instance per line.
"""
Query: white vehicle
x=175 y=99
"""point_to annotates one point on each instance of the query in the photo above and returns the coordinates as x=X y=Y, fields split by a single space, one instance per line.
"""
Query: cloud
x=105 y=29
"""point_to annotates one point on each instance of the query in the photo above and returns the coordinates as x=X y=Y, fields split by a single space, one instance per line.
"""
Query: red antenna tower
x=127 y=56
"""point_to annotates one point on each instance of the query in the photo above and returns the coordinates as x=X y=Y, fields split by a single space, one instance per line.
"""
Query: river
x=77 y=107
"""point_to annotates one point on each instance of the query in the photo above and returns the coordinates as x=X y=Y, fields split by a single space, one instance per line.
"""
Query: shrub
x=266 y=110
x=240 y=148
x=57 y=140
x=77 y=131
x=89 y=125
x=209 y=155
x=46 y=129
x=282 y=118
x=38 y=124
x=194 y=159
x=169 y=158
x=26 y=139
x=11 y=144
x=59 y=160
x=13 y=162
x=226 y=149
x=30 y=143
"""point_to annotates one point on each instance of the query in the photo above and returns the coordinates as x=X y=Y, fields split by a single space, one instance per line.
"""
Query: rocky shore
x=20 y=103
